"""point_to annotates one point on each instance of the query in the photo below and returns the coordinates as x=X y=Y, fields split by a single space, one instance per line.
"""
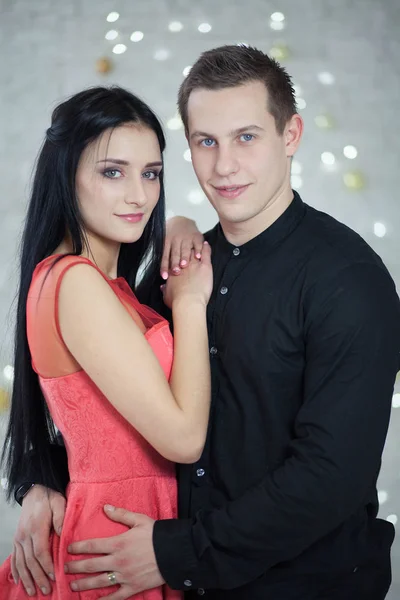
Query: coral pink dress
x=109 y=461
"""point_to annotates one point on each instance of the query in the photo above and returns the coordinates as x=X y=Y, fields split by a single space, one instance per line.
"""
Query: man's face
x=241 y=162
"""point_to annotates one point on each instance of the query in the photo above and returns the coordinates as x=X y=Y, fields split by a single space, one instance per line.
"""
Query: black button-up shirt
x=304 y=332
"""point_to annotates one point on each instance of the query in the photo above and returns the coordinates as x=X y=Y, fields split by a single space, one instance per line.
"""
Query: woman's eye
x=208 y=142
x=151 y=175
x=112 y=174
x=247 y=137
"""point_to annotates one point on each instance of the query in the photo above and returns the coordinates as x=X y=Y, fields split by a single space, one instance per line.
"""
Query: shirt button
x=200 y=472
x=201 y=592
x=223 y=290
x=213 y=350
x=236 y=251
x=187 y=583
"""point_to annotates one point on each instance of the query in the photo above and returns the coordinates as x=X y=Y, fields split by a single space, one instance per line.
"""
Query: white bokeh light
x=297 y=168
x=277 y=17
x=204 y=28
x=350 y=152
x=8 y=372
x=392 y=519
x=137 y=36
x=277 y=25
x=175 y=26
x=111 y=35
x=296 y=182
x=328 y=158
x=326 y=78
x=161 y=54
x=119 y=49
x=175 y=123
x=382 y=496
x=169 y=214
x=187 y=155
x=396 y=401
x=379 y=229
x=186 y=71
x=301 y=103
x=196 y=196
x=112 y=17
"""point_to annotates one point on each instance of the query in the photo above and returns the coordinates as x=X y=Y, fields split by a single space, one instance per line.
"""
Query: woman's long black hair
x=53 y=211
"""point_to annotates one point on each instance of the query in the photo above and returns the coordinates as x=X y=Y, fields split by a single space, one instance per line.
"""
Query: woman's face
x=118 y=183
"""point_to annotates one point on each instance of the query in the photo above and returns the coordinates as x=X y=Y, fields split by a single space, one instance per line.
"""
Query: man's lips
x=231 y=191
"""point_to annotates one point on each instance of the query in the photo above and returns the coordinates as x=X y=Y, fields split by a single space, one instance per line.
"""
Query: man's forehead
x=204 y=103
x=227 y=118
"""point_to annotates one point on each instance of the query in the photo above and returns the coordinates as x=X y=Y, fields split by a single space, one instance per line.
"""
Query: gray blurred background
x=344 y=56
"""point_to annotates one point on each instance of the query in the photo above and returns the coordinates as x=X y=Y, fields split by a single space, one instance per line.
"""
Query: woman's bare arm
x=109 y=346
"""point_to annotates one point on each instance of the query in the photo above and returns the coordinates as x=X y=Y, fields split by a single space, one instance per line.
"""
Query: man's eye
x=208 y=142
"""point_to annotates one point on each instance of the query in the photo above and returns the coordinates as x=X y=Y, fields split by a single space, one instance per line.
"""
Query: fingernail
x=198 y=255
x=74 y=587
x=164 y=275
x=44 y=590
x=58 y=531
x=66 y=566
x=176 y=270
x=29 y=591
x=15 y=581
x=205 y=243
x=183 y=263
x=109 y=507
x=51 y=575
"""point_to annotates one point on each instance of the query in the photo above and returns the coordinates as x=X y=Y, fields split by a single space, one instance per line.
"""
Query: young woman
x=90 y=359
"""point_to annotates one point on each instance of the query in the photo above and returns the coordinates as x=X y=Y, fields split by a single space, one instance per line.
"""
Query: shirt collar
x=273 y=235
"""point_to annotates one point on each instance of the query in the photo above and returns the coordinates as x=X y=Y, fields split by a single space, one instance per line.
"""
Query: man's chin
x=235 y=217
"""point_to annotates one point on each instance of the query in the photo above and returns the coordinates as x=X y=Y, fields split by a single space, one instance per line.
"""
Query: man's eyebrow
x=232 y=133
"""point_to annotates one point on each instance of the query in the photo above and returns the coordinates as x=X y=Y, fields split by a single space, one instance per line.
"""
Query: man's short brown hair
x=231 y=66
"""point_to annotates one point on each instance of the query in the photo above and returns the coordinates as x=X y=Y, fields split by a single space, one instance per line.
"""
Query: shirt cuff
x=175 y=554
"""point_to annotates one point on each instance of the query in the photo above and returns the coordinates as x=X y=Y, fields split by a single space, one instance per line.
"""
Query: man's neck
x=240 y=233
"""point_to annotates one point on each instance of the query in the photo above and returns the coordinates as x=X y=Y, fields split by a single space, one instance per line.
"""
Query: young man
x=304 y=329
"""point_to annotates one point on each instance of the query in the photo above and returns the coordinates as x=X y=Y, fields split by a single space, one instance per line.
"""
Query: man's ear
x=293 y=132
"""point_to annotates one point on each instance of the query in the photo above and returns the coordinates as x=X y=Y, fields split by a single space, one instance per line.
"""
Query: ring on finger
x=112 y=578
